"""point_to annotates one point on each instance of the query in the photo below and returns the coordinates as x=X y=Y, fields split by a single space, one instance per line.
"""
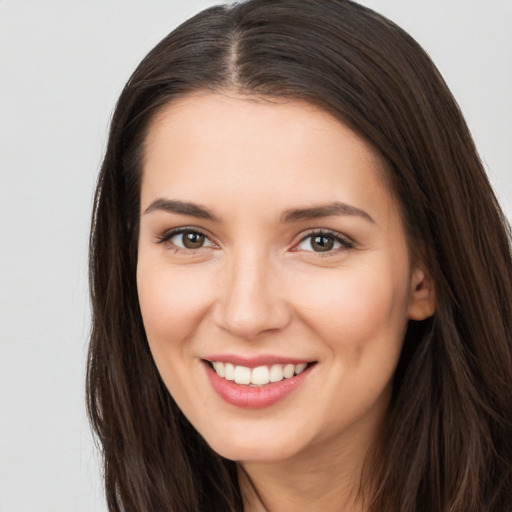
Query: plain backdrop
x=62 y=66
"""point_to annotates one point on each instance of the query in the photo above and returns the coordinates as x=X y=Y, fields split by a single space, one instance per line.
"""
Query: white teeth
x=289 y=371
x=300 y=368
x=242 y=375
x=258 y=376
x=276 y=373
x=229 y=371
x=219 y=368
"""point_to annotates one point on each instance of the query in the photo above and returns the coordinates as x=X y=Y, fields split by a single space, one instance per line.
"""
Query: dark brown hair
x=447 y=445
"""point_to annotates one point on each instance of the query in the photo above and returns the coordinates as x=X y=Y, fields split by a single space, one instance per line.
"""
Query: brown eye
x=192 y=240
x=322 y=243
x=186 y=239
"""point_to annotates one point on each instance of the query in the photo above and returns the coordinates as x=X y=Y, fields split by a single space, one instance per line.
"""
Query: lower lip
x=254 y=397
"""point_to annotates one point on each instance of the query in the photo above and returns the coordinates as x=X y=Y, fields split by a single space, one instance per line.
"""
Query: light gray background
x=62 y=66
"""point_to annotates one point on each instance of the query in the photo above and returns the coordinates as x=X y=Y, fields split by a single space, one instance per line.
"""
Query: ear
x=422 y=302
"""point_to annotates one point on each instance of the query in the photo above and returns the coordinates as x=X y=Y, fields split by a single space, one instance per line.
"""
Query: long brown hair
x=447 y=445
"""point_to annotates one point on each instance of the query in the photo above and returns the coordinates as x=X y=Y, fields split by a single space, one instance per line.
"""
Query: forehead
x=223 y=142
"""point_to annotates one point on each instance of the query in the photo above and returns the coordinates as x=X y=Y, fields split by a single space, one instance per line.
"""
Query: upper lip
x=255 y=361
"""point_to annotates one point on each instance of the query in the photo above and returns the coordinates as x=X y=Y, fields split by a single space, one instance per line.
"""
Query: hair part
x=447 y=444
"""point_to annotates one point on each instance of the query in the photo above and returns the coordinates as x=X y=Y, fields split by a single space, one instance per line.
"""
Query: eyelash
x=165 y=238
x=345 y=243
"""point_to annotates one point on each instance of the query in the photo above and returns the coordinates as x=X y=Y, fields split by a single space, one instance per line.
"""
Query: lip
x=255 y=397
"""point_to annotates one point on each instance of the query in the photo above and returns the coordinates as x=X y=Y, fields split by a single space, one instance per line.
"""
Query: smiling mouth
x=259 y=376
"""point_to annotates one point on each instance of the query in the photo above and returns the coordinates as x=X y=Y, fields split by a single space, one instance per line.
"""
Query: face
x=271 y=252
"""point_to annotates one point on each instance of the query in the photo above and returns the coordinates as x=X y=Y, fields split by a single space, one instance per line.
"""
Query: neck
x=327 y=481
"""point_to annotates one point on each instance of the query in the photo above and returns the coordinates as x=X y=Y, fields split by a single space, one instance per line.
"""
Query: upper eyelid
x=170 y=233
x=324 y=231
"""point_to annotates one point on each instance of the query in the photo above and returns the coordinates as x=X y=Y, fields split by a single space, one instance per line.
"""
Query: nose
x=251 y=301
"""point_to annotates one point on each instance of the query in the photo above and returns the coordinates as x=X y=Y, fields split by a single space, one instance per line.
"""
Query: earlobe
x=422 y=303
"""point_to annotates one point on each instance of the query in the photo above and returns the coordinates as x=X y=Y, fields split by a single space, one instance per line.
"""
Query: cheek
x=172 y=302
x=356 y=308
x=172 y=306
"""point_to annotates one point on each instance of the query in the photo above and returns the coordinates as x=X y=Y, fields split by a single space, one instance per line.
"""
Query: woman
x=301 y=279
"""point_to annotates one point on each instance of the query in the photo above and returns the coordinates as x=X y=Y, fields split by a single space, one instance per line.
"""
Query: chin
x=252 y=453
x=255 y=444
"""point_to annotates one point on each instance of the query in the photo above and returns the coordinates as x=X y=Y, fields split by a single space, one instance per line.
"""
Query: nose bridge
x=250 y=299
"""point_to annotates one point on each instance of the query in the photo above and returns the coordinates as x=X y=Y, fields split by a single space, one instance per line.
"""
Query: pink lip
x=254 y=362
x=254 y=398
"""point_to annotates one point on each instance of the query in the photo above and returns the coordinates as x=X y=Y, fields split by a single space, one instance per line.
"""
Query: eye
x=186 y=239
x=323 y=242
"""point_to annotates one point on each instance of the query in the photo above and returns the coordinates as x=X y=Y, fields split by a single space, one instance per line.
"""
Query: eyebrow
x=288 y=217
x=326 y=210
x=182 y=208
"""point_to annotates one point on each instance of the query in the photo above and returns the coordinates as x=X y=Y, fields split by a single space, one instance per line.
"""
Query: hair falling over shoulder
x=447 y=444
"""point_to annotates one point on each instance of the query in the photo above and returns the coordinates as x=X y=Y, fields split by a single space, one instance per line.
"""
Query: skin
x=258 y=286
